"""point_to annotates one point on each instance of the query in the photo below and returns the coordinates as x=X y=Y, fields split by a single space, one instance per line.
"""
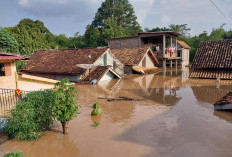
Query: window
x=2 y=69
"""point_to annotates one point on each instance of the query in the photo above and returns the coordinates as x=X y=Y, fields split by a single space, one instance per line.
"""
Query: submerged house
x=71 y=63
x=136 y=60
x=168 y=50
x=8 y=73
x=213 y=60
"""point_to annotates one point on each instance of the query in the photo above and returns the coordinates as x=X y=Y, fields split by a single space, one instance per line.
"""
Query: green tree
x=115 y=18
x=65 y=108
x=8 y=42
x=32 y=36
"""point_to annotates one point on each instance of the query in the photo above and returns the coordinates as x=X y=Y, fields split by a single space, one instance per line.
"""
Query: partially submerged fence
x=8 y=100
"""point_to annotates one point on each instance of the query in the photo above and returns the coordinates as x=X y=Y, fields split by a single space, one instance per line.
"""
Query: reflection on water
x=175 y=118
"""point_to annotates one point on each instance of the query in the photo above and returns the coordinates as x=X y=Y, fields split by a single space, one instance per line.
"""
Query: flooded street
x=174 y=119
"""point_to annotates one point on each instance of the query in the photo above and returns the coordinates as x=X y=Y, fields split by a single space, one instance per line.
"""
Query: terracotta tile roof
x=10 y=56
x=62 y=61
x=132 y=56
x=227 y=99
x=213 y=59
x=183 y=44
x=214 y=54
x=212 y=74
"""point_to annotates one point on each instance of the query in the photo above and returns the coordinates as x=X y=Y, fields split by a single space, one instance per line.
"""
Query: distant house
x=164 y=45
x=136 y=60
x=213 y=60
x=183 y=51
x=59 y=64
x=8 y=69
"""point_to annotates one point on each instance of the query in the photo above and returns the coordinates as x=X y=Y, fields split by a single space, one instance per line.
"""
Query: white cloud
x=142 y=8
x=165 y=19
x=80 y=9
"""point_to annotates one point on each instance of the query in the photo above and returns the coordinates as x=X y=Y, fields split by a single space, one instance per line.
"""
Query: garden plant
x=65 y=108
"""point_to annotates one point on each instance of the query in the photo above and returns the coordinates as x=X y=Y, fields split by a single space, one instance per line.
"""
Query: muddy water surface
x=174 y=119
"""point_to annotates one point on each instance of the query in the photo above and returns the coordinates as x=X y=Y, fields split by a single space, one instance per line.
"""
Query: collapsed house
x=168 y=50
x=137 y=60
x=213 y=60
x=74 y=64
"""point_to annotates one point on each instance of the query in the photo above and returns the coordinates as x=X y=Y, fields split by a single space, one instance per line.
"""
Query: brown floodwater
x=174 y=119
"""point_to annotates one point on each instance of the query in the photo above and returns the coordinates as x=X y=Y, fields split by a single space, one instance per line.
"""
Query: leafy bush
x=31 y=115
x=96 y=109
x=65 y=107
x=14 y=154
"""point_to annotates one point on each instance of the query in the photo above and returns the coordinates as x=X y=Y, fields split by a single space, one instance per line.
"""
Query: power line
x=221 y=11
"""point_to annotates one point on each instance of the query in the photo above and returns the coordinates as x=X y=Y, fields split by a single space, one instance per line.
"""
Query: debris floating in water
x=225 y=103
x=121 y=98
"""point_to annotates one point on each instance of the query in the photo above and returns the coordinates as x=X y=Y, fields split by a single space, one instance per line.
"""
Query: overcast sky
x=71 y=16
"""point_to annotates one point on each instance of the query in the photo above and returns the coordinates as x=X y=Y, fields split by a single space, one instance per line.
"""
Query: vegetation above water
x=14 y=154
x=65 y=108
x=31 y=116
x=38 y=110
x=96 y=109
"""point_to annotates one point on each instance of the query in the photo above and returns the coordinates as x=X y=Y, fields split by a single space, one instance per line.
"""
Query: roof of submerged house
x=214 y=54
x=213 y=59
x=227 y=99
x=63 y=61
x=97 y=73
x=10 y=56
x=133 y=56
x=183 y=44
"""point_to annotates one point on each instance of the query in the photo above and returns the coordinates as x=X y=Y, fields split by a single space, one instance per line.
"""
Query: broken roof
x=63 y=61
x=183 y=44
x=97 y=73
x=133 y=56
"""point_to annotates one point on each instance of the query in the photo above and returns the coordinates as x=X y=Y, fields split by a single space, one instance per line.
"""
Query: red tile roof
x=10 y=56
x=62 y=61
x=213 y=59
x=132 y=56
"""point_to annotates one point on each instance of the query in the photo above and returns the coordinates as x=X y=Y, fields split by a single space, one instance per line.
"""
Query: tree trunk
x=65 y=126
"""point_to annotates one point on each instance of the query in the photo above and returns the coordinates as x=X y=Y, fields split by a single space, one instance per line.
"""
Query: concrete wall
x=111 y=61
x=107 y=76
x=185 y=57
x=9 y=81
x=72 y=78
x=121 y=43
x=149 y=62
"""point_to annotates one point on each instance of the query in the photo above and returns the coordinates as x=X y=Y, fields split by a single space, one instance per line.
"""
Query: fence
x=8 y=100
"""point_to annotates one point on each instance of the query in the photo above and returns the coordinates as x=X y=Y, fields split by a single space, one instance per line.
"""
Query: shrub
x=14 y=154
x=65 y=107
x=31 y=115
